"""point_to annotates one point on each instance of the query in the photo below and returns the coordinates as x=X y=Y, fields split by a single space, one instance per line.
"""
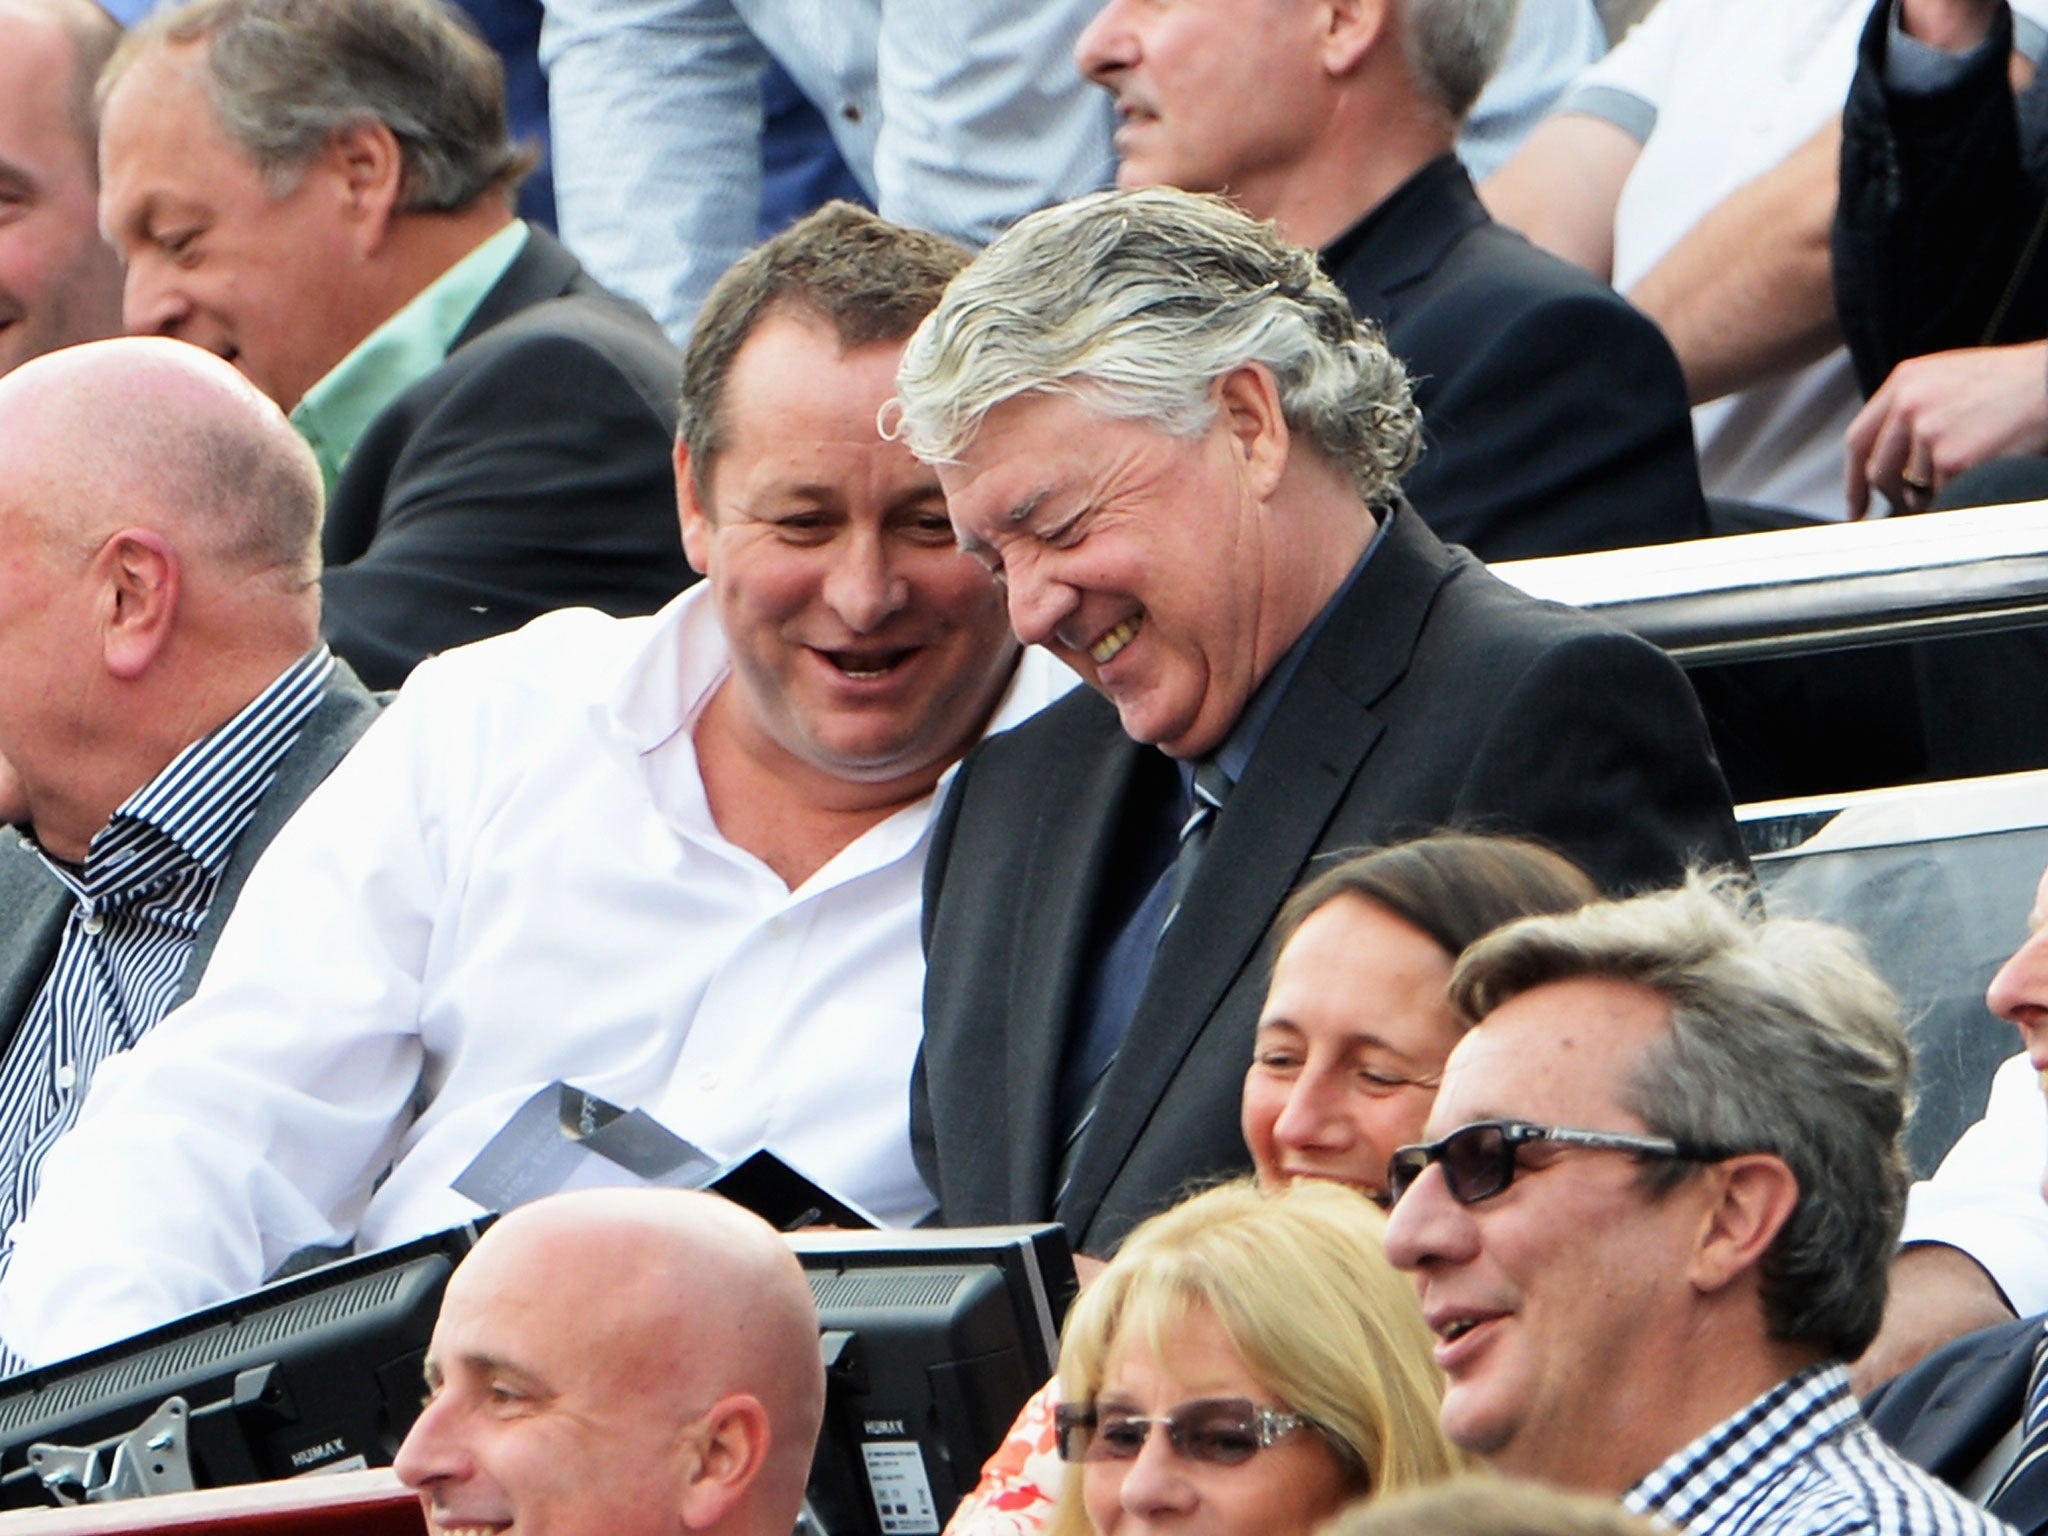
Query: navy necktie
x=2025 y=1484
x=1211 y=787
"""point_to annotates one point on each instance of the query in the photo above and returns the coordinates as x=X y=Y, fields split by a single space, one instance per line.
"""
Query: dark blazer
x=530 y=471
x=33 y=905
x=1942 y=196
x=1434 y=695
x=1554 y=413
x=1950 y=1410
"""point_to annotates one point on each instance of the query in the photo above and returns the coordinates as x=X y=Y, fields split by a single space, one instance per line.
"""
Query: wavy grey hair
x=1137 y=303
x=286 y=75
x=1454 y=46
x=1782 y=1040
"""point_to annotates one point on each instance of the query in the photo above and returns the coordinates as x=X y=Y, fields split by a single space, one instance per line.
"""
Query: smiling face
x=866 y=647
x=214 y=258
x=1551 y=1298
x=1353 y=1036
x=1211 y=95
x=1286 y=1489
x=1146 y=561
x=553 y=1408
x=59 y=282
x=2019 y=992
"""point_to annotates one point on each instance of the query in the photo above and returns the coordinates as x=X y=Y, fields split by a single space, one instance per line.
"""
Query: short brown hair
x=1456 y=887
x=870 y=280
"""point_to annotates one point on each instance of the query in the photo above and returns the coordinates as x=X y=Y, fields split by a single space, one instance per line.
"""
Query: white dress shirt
x=514 y=878
x=1985 y=1198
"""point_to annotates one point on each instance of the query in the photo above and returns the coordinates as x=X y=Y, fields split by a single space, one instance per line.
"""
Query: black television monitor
x=317 y=1373
x=933 y=1339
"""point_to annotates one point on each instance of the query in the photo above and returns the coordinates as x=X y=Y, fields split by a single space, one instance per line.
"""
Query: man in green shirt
x=321 y=194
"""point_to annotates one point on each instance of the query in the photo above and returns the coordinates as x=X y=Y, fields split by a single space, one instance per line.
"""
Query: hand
x=1939 y=415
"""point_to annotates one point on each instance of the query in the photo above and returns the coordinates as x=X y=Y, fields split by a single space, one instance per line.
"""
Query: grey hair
x=1454 y=46
x=286 y=75
x=1782 y=1040
x=1137 y=303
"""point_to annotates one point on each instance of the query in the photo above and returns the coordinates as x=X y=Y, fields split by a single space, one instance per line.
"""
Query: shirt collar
x=1235 y=755
x=412 y=343
x=195 y=808
x=1720 y=1472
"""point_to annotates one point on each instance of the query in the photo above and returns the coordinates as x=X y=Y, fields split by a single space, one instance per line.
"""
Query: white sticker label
x=903 y=1494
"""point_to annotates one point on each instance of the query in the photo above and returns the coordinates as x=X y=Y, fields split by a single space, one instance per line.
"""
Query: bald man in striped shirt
x=165 y=699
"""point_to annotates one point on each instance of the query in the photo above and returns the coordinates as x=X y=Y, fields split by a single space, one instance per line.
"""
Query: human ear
x=690 y=510
x=1248 y=399
x=367 y=165
x=732 y=1445
x=1349 y=30
x=139 y=581
x=1754 y=1196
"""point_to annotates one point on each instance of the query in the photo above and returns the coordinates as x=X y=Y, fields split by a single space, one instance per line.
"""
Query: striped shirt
x=137 y=904
x=1800 y=1461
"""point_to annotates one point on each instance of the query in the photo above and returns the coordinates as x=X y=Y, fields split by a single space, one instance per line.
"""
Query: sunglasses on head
x=1219 y=1431
x=1480 y=1160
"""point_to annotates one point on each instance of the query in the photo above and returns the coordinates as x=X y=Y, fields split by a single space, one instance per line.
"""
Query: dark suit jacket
x=1434 y=694
x=1554 y=414
x=530 y=471
x=33 y=905
x=1950 y=1410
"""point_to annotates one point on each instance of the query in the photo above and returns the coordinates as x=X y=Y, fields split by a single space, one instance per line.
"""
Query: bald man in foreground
x=632 y=1362
x=165 y=700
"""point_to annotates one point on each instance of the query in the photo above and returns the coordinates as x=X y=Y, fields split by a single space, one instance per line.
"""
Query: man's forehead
x=1562 y=1047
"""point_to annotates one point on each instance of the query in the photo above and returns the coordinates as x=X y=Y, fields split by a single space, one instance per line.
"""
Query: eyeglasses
x=1217 y=1431
x=1479 y=1160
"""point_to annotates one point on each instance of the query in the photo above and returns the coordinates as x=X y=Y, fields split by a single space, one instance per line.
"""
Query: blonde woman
x=1248 y=1364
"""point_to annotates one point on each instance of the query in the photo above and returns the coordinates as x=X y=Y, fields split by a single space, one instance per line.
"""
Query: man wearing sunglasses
x=1656 y=1219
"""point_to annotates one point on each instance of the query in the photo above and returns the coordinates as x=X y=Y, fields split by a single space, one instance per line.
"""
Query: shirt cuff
x=1627 y=111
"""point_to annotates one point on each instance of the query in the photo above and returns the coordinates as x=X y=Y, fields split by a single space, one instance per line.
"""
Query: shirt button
x=93 y=922
x=707 y=1079
x=851 y=112
x=67 y=1075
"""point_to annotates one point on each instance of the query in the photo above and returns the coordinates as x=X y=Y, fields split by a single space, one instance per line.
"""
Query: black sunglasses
x=1479 y=1160
x=1220 y=1431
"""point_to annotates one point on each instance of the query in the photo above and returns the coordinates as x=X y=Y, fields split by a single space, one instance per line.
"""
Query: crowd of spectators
x=938 y=689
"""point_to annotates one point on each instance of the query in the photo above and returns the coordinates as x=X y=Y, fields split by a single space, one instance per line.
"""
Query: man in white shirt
x=674 y=860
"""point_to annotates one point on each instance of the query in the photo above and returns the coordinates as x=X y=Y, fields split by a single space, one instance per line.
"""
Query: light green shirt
x=412 y=343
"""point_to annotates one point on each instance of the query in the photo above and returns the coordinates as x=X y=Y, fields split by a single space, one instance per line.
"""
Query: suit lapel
x=542 y=270
x=1314 y=747
x=1064 y=877
x=32 y=911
